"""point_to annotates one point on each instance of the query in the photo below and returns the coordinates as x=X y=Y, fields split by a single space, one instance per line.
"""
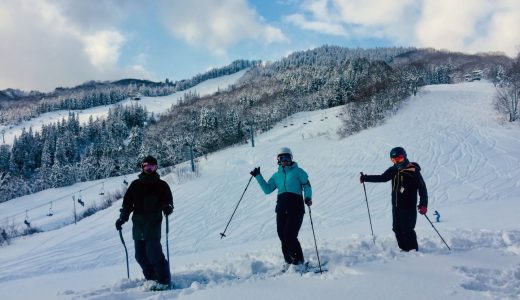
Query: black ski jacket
x=146 y=197
x=406 y=182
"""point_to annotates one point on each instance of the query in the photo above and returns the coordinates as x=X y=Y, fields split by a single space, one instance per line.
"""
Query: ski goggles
x=398 y=159
x=149 y=168
x=284 y=158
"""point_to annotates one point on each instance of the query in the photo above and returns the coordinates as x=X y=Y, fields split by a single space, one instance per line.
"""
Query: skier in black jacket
x=406 y=182
x=148 y=198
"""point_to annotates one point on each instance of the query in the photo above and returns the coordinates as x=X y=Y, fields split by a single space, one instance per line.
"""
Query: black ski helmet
x=150 y=159
x=397 y=151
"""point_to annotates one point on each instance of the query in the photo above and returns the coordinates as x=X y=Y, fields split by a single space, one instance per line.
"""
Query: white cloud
x=466 y=25
x=474 y=26
x=103 y=48
x=357 y=18
x=217 y=25
x=442 y=26
x=373 y=12
x=317 y=26
x=43 y=47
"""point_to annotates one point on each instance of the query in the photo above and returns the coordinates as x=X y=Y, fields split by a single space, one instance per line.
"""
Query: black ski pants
x=288 y=226
x=150 y=257
x=403 y=226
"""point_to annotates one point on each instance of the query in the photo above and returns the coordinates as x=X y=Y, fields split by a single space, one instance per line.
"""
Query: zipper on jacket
x=284 y=179
x=396 y=188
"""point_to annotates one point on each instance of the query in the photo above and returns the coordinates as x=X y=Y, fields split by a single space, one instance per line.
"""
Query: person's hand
x=422 y=209
x=308 y=201
x=168 y=209
x=255 y=172
x=362 y=178
x=119 y=224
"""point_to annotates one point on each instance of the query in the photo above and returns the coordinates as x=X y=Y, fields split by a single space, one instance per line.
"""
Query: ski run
x=470 y=161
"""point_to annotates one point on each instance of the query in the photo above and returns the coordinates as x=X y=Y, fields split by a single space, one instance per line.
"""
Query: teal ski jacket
x=292 y=183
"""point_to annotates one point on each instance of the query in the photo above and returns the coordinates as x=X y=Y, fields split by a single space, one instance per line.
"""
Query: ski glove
x=422 y=209
x=119 y=223
x=168 y=209
x=362 y=178
x=255 y=172
x=308 y=201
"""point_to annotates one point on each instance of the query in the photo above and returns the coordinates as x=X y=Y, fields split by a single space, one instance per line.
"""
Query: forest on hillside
x=371 y=84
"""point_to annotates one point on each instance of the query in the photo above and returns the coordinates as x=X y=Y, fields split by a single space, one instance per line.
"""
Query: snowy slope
x=470 y=164
x=152 y=104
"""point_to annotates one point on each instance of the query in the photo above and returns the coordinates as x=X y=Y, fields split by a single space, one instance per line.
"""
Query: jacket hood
x=416 y=165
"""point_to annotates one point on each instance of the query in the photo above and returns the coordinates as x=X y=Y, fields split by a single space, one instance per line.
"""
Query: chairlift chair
x=26 y=221
x=80 y=201
x=102 y=189
x=51 y=213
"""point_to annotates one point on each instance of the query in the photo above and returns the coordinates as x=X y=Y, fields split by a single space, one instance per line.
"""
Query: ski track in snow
x=343 y=257
x=470 y=165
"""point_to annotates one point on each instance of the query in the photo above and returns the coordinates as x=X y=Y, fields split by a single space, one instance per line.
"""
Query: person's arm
x=128 y=203
x=168 y=200
x=423 y=192
x=127 y=207
x=386 y=176
x=267 y=187
x=306 y=185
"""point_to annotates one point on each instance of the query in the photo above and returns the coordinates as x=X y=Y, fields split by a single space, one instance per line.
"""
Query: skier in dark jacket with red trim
x=406 y=182
x=148 y=198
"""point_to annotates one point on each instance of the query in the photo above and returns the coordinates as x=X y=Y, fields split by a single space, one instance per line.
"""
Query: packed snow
x=469 y=159
x=154 y=105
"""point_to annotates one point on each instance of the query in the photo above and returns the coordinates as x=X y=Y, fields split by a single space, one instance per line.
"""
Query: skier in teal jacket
x=293 y=186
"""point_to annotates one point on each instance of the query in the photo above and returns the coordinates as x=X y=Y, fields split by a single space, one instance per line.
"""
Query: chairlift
x=51 y=213
x=26 y=221
x=80 y=201
x=102 y=189
x=310 y=121
x=124 y=181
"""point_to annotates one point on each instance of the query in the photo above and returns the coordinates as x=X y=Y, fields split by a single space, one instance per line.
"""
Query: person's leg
x=142 y=259
x=291 y=230
x=281 y=221
x=403 y=226
x=396 y=228
x=408 y=229
x=158 y=261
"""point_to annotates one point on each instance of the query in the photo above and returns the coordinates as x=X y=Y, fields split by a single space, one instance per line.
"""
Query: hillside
x=470 y=165
x=155 y=105
x=366 y=80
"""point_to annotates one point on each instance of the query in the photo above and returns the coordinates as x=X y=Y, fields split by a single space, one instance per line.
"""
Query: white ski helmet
x=284 y=150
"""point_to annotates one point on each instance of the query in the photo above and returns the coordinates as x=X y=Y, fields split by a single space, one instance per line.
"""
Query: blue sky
x=47 y=43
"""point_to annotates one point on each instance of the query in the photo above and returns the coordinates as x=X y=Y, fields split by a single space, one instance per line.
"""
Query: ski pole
x=126 y=252
x=368 y=209
x=223 y=234
x=168 y=249
x=315 y=244
x=437 y=232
